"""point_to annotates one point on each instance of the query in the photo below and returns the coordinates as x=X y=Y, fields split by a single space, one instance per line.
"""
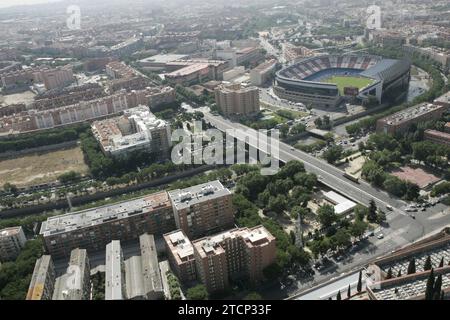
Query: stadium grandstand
x=327 y=81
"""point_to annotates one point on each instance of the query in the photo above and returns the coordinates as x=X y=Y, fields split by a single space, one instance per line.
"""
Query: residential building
x=117 y=69
x=437 y=137
x=93 y=229
x=181 y=256
x=43 y=279
x=202 y=209
x=75 y=283
x=85 y=110
x=137 y=129
x=12 y=240
x=240 y=253
x=402 y=120
x=236 y=99
x=263 y=72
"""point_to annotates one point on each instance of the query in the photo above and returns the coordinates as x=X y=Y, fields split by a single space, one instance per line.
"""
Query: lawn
x=349 y=81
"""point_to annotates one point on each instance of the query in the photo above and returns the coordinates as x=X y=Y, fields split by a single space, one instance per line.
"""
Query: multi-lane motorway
x=401 y=229
x=329 y=175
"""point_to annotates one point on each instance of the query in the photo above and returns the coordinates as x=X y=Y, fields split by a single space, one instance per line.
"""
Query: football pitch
x=348 y=81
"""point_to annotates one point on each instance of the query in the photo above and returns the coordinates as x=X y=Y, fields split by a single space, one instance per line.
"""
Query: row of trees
x=44 y=138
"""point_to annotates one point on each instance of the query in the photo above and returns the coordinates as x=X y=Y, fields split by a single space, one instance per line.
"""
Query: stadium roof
x=387 y=69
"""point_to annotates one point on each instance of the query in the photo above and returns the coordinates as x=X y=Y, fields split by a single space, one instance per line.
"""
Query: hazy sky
x=10 y=3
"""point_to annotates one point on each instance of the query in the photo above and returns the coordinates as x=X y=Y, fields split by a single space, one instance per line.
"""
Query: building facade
x=93 y=229
x=401 y=121
x=202 y=209
x=43 y=279
x=237 y=100
x=12 y=240
x=181 y=256
x=235 y=254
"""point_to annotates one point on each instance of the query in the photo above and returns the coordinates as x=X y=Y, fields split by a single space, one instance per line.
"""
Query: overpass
x=327 y=174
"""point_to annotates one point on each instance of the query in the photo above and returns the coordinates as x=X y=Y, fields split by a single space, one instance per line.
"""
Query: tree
x=326 y=215
x=341 y=238
x=349 y=292
x=372 y=213
x=399 y=274
x=394 y=185
x=357 y=228
x=338 y=296
x=441 y=264
x=428 y=264
x=359 y=285
x=429 y=292
x=253 y=296
x=437 y=288
x=8 y=187
x=389 y=274
x=198 y=292
x=333 y=153
x=412 y=266
x=277 y=204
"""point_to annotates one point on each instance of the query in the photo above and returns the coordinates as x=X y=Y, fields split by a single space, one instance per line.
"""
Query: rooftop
x=91 y=217
x=180 y=245
x=8 y=232
x=184 y=198
x=113 y=271
x=411 y=113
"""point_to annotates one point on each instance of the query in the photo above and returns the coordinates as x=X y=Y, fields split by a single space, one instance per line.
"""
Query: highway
x=328 y=175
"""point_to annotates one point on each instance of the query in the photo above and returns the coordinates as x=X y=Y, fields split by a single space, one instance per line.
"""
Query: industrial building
x=115 y=288
x=75 y=283
x=341 y=204
x=12 y=240
x=136 y=278
x=202 y=209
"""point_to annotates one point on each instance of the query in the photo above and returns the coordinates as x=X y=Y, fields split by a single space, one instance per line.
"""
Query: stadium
x=328 y=80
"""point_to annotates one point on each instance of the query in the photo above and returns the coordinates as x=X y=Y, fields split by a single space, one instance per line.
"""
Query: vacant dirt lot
x=41 y=168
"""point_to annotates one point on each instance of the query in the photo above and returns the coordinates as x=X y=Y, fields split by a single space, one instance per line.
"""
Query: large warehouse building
x=325 y=81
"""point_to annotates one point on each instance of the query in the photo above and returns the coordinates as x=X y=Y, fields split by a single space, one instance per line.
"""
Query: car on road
x=292 y=149
x=389 y=208
x=380 y=236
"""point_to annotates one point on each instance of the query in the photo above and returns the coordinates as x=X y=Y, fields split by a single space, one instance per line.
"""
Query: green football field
x=348 y=81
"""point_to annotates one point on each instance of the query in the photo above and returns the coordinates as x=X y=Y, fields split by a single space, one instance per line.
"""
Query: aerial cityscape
x=225 y=150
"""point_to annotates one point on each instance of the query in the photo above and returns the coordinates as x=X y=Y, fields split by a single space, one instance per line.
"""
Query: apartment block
x=51 y=78
x=93 y=229
x=263 y=72
x=202 y=209
x=181 y=256
x=12 y=240
x=43 y=279
x=75 y=283
x=235 y=99
x=437 y=137
x=235 y=254
x=137 y=129
x=85 y=110
x=117 y=70
x=401 y=121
